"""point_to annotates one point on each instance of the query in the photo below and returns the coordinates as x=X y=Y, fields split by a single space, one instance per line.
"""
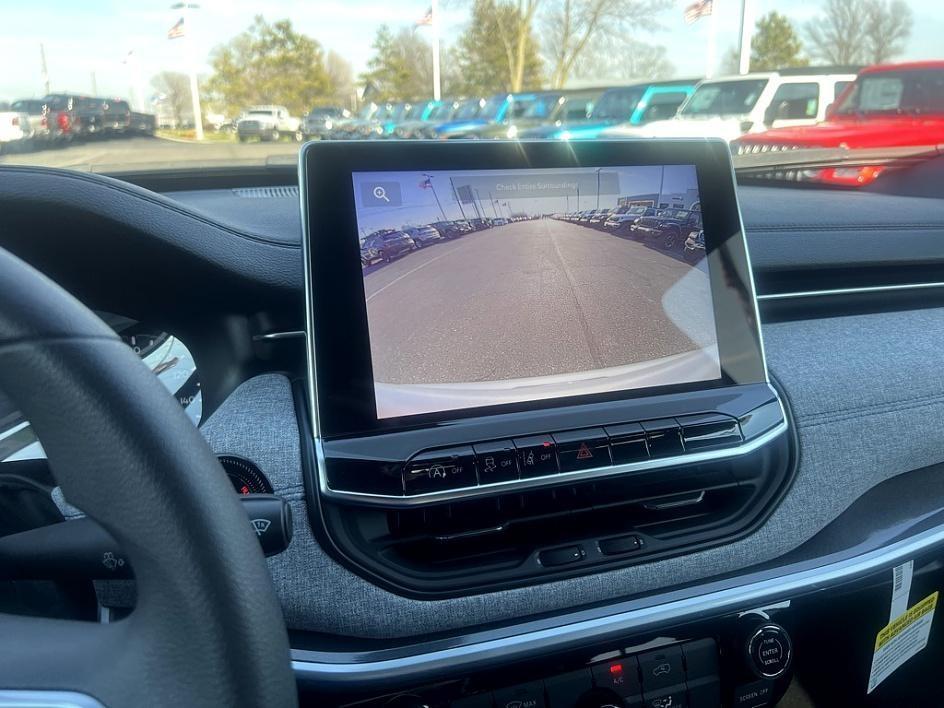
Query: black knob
x=769 y=651
x=600 y=698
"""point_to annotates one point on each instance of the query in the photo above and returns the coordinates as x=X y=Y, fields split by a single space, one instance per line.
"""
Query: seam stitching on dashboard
x=866 y=411
x=168 y=204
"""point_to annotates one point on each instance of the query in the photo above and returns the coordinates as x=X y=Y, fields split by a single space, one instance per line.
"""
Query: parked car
x=480 y=224
x=88 y=114
x=320 y=121
x=598 y=217
x=892 y=105
x=636 y=104
x=467 y=114
x=389 y=244
x=38 y=116
x=729 y=107
x=268 y=123
x=14 y=128
x=621 y=219
x=116 y=116
x=347 y=128
x=500 y=221
x=60 y=116
x=143 y=123
x=667 y=226
x=422 y=120
x=423 y=235
x=695 y=246
x=448 y=229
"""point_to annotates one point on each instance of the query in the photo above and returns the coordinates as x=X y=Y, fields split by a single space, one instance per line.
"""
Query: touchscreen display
x=490 y=287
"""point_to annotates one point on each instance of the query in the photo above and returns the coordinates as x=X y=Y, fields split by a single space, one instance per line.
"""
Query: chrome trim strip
x=354 y=669
x=548 y=480
x=852 y=291
x=309 y=310
x=271 y=336
x=47 y=699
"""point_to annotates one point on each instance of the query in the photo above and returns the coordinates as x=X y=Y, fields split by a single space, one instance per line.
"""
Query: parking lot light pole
x=429 y=178
x=598 y=188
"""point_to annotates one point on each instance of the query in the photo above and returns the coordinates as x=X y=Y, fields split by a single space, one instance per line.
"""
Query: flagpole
x=747 y=28
x=710 y=58
x=186 y=7
x=434 y=20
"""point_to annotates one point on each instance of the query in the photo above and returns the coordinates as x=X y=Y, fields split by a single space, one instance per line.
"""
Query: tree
x=775 y=44
x=860 y=31
x=483 y=65
x=401 y=67
x=340 y=78
x=174 y=89
x=626 y=60
x=578 y=30
x=269 y=64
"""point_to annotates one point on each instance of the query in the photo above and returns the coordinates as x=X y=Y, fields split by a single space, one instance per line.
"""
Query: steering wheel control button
x=620 y=545
x=664 y=437
x=662 y=669
x=582 y=449
x=497 y=461
x=537 y=455
x=524 y=695
x=621 y=677
x=561 y=556
x=627 y=443
x=440 y=470
x=565 y=690
x=702 y=432
x=769 y=651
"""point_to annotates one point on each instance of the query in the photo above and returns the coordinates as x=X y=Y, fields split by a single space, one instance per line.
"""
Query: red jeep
x=891 y=105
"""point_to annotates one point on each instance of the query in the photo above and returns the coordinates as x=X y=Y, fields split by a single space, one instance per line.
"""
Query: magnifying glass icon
x=381 y=193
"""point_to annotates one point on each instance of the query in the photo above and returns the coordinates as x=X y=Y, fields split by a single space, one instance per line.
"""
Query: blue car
x=636 y=104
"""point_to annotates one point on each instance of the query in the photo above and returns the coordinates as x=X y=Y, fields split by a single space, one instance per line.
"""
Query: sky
x=390 y=200
x=88 y=42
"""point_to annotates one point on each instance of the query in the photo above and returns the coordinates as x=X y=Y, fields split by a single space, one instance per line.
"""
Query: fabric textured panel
x=867 y=393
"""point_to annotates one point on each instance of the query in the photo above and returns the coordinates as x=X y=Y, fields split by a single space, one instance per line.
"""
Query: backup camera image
x=490 y=287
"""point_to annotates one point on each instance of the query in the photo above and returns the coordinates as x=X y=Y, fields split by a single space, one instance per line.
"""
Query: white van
x=730 y=106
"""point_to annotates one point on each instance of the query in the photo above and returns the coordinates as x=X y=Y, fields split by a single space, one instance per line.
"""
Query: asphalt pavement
x=532 y=298
x=145 y=153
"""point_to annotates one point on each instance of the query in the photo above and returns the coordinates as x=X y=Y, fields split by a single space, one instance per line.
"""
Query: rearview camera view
x=494 y=287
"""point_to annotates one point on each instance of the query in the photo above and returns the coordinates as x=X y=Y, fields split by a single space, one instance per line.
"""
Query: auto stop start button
x=769 y=651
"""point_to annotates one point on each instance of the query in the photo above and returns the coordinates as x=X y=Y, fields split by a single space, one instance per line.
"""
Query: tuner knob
x=769 y=651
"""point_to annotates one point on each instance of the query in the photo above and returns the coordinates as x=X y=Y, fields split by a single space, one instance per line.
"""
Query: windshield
x=617 y=105
x=185 y=86
x=894 y=92
x=724 y=98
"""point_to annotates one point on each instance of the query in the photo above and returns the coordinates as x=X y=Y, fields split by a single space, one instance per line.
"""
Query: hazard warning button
x=582 y=449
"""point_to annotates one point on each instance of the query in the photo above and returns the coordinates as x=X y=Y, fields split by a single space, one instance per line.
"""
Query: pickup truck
x=14 y=127
x=268 y=123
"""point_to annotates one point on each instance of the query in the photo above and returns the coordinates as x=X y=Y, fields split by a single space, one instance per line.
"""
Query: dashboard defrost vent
x=267 y=192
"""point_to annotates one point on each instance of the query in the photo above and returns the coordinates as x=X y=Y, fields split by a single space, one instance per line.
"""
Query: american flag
x=177 y=30
x=426 y=19
x=697 y=10
x=427 y=183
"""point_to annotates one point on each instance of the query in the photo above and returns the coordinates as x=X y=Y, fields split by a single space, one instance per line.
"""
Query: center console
x=530 y=361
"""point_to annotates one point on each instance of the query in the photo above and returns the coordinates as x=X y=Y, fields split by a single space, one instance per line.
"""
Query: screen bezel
x=341 y=375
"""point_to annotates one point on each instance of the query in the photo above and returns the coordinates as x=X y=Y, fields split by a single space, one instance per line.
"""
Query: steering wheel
x=207 y=629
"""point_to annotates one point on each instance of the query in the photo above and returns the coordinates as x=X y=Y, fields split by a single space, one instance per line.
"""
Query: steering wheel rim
x=207 y=628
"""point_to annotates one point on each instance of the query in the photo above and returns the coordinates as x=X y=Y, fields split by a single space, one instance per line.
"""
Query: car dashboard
x=851 y=313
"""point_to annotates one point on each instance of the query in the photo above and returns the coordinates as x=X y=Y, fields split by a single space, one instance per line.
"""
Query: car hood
x=724 y=128
x=894 y=131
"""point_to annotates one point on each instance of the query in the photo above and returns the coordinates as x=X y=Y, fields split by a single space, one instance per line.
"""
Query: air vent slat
x=287 y=192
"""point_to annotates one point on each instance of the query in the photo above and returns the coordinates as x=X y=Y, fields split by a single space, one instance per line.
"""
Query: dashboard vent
x=267 y=192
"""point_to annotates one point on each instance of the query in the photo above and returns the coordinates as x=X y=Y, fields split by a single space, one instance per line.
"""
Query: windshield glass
x=617 y=105
x=185 y=86
x=896 y=92
x=724 y=98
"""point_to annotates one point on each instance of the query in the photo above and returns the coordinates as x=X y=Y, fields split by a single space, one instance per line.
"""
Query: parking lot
x=532 y=298
x=144 y=153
